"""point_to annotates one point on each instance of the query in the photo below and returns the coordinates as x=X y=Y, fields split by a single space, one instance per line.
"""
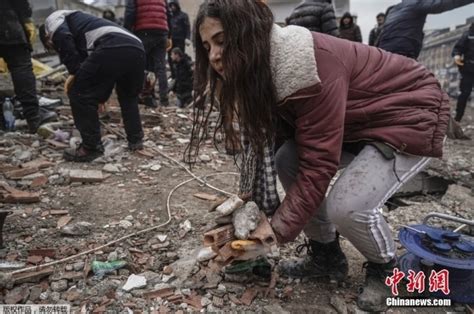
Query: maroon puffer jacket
x=365 y=93
x=150 y=15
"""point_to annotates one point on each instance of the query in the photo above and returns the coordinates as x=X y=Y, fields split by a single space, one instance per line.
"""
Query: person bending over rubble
x=99 y=55
x=326 y=103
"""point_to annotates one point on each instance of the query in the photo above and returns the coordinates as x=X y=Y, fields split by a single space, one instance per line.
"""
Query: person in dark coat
x=150 y=21
x=180 y=26
x=16 y=34
x=463 y=54
x=315 y=15
x=375 y=32
x=99 y=55
x=348 y=29
x=402 y=32
x=183 y=74
x=180 y=29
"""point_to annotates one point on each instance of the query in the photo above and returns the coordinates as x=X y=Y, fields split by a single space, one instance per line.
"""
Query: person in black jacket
x=315 y=15
x=375 y=32
x=183 y=74
x=348 y=29
x=463 y=54
x=99 y=55
x=180 y=26
x=16 y=34
x=402 y=32
x=180 y=29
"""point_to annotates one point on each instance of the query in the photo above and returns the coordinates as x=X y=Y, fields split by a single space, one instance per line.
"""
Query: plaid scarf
x=258 y=176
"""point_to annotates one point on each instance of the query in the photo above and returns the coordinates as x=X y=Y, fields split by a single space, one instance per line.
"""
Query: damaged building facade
x=436 y=55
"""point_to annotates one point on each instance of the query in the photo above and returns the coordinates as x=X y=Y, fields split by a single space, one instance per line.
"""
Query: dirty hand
x=31 y=31
x=169 y=44
x=68 y=83
x=458 y=60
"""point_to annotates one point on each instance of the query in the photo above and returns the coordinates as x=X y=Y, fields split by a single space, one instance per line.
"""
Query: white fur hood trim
x=292 y=60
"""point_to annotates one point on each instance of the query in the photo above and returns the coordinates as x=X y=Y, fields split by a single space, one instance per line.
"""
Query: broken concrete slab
x=245 y=220
x=460 y=194
x=423 y=183
x=86 y=176
x=230 y=205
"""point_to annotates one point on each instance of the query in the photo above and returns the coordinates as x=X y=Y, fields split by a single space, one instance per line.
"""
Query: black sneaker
x=373 y=295
x=322 y=260
x=135 y=146
x=82 y=154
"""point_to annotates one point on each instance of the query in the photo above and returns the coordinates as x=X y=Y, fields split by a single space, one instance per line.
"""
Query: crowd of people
x=309 y=99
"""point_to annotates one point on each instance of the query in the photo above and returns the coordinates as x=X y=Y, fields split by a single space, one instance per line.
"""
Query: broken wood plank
x=86 y=176
x=160 y=293
x=20 y=173
x=32 y=277
x=43 y=252
x=38 y=163
x=13 y=196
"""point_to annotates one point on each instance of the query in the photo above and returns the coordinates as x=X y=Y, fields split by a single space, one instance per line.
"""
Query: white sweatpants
x=352 y=205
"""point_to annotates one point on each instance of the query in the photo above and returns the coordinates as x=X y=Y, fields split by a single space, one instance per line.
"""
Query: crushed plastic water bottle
x=8 y=116
x=102 y=268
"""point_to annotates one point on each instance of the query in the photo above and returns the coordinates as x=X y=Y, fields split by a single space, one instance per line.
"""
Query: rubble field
x=59 y=209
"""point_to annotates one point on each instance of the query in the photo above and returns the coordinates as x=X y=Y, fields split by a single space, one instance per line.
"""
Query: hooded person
x=348 y=29
x=180 y=29
x=99 y=55
x=402 y=32
x=315 y=15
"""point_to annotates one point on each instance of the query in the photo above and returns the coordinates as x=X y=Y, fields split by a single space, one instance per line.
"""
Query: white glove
x=188 y=42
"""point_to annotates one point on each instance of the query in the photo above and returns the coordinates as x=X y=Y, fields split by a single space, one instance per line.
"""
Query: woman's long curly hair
x=247 y=94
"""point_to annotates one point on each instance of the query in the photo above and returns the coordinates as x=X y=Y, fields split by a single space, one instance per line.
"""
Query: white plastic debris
x=134 y=282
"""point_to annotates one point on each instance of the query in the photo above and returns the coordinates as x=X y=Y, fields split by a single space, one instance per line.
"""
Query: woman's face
x=212 y=35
